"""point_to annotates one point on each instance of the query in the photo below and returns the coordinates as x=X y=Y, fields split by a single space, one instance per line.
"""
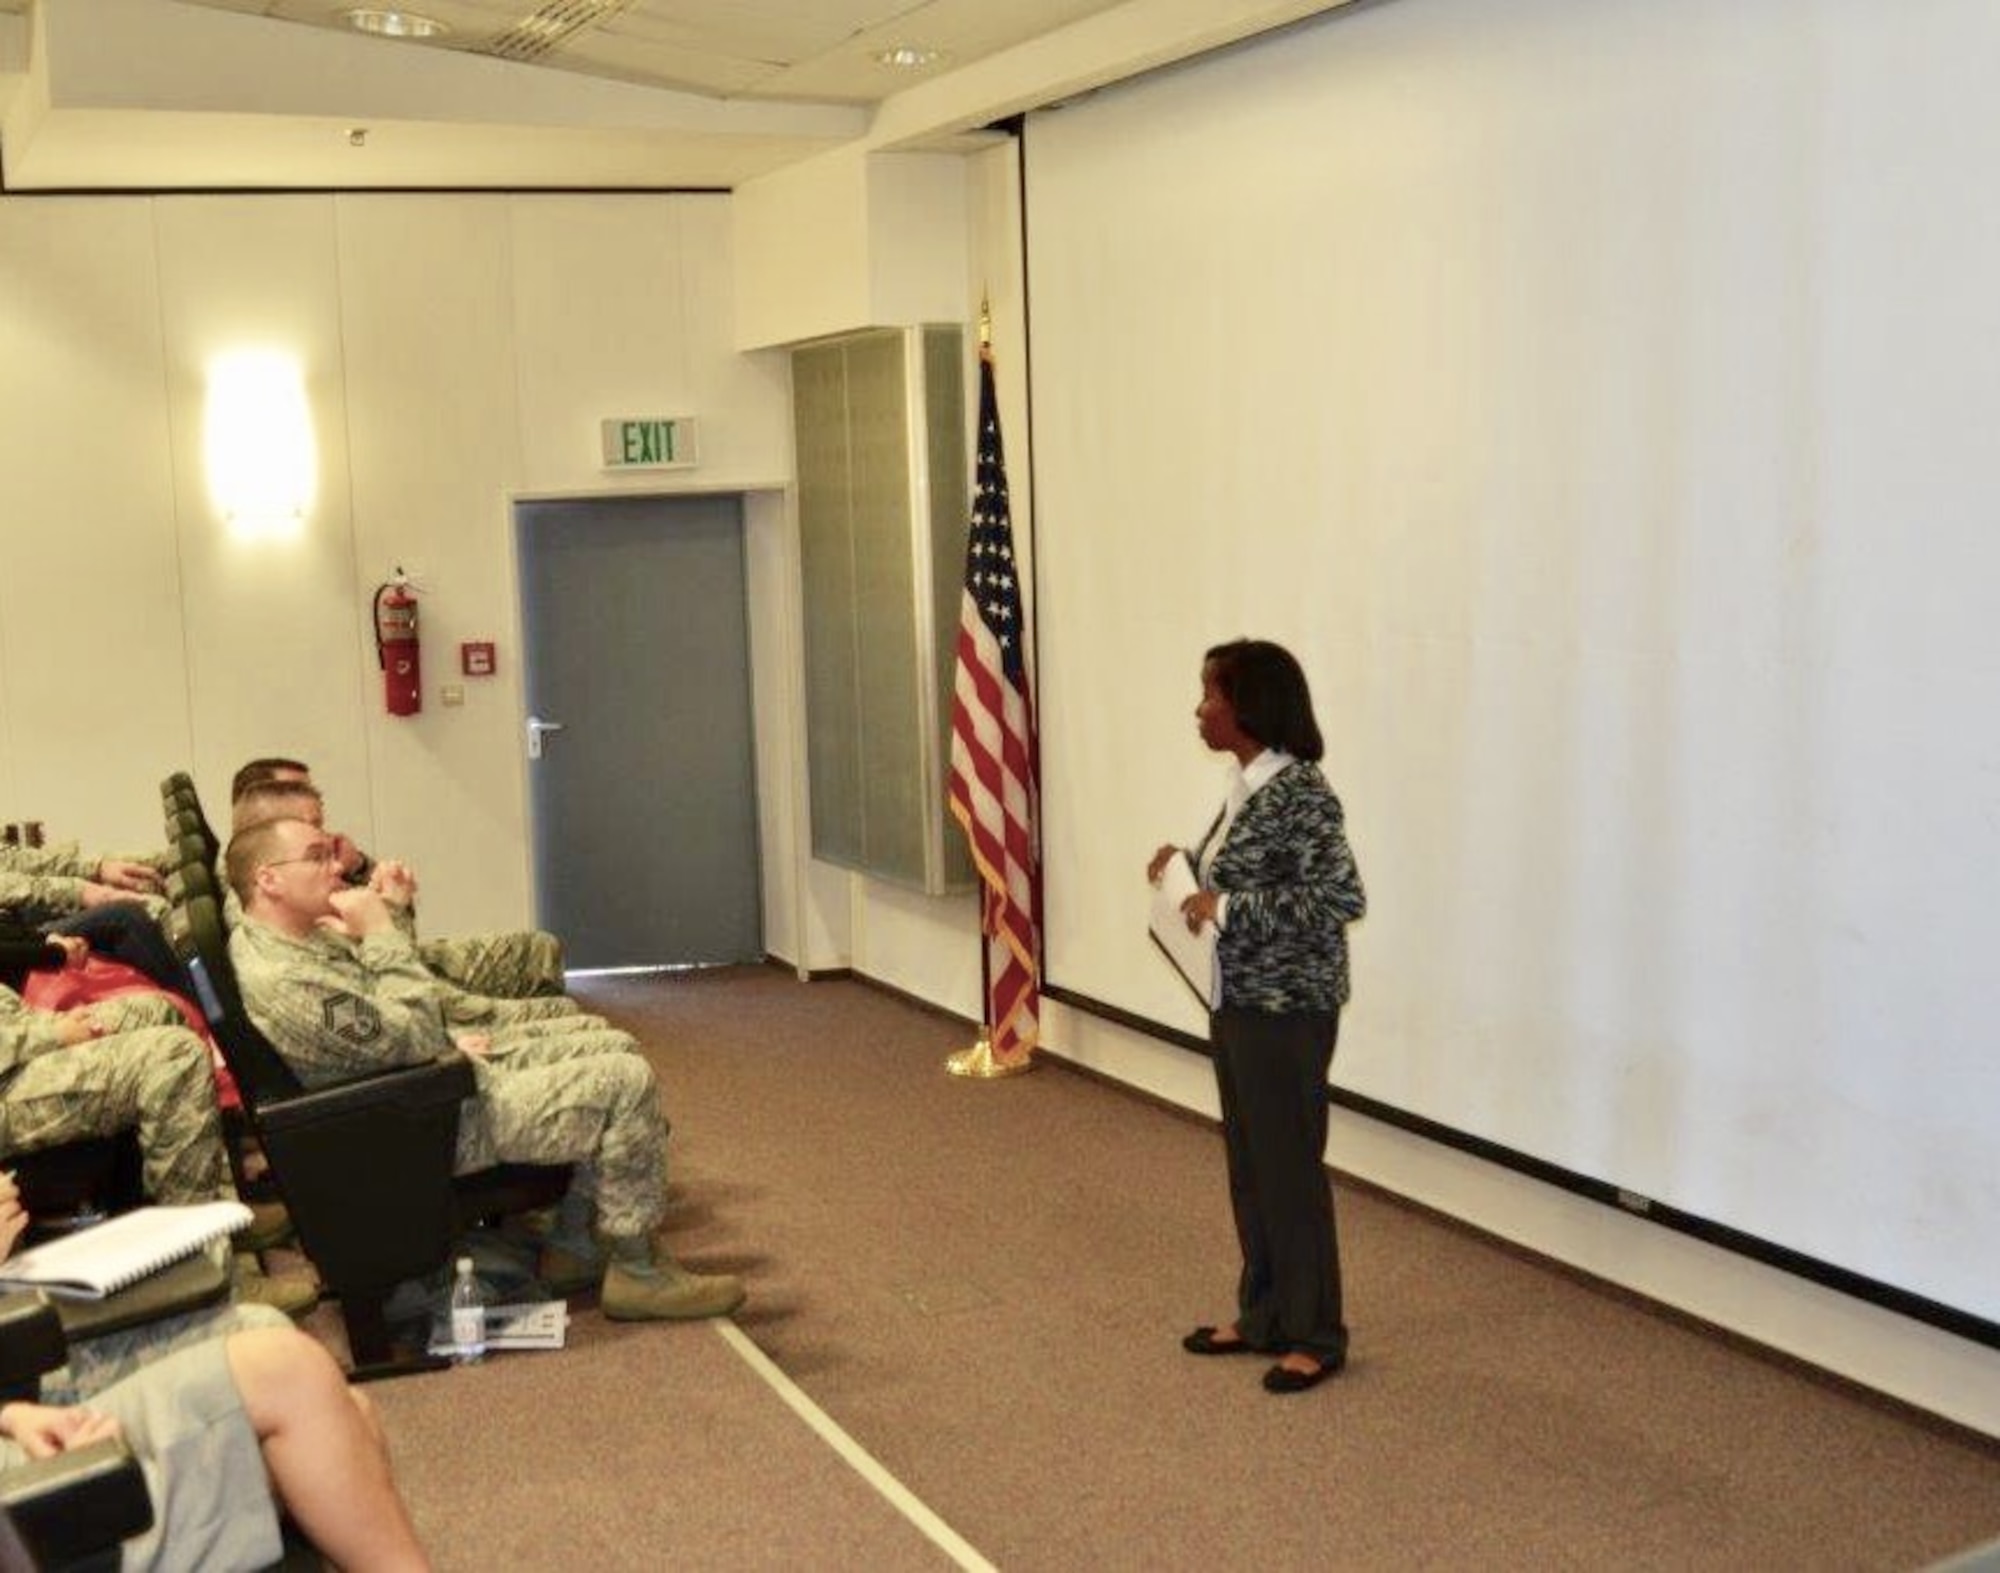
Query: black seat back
x=194 y=928
x=181 y=807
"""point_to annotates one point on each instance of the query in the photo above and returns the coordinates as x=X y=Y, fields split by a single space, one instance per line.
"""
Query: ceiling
x=160 y=95
x=800 y=50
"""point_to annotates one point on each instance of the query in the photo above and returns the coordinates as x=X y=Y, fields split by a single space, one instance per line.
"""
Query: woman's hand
x=1199 y=908
x=13 y=1216
x=1160 y=861
x=43 y=1432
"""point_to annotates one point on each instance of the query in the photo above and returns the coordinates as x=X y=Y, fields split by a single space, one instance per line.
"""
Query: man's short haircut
x=268 y=800
x=264 y=770
x=249 y=850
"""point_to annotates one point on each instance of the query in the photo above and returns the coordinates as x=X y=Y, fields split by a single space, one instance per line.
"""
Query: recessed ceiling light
x=908 y=57
x=395 y=24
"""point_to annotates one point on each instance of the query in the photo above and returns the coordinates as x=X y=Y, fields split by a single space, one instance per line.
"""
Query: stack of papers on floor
x=543 y=1324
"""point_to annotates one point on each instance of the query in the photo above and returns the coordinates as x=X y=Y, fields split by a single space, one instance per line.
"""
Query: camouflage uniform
x=462 y=1008
x=518 y=966
x=132 y=1012
x=38 y=883
x=64 y=859
x=156 y=1078
x=563 y=1091
x=41 y=882
x=504 y=966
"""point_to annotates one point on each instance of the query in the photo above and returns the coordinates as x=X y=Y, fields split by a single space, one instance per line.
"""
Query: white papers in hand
x=1193 y=955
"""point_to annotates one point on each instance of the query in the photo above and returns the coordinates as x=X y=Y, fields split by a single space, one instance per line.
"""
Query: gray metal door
x=636 y=670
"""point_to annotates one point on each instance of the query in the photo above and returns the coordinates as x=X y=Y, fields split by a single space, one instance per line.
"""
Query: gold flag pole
x=979 y=1062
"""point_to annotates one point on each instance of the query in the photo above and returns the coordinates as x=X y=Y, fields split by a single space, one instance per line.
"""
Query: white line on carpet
x=899 y=1496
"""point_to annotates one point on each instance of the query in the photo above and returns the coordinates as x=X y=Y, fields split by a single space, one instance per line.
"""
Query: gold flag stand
x=981 y=1064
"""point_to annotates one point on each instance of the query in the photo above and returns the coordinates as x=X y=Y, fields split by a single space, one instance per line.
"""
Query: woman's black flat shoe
x=1283 y=1379
x=1202 y=1341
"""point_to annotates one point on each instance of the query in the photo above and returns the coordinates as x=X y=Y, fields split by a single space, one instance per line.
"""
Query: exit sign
x=649 y=444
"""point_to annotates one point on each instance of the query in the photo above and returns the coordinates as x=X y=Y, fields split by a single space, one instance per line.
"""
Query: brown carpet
x=984 y=1284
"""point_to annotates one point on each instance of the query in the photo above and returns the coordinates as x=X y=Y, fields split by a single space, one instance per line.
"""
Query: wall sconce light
x=262 y=464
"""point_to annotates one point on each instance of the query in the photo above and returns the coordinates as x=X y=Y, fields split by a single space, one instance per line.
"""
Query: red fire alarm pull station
x=476 y=660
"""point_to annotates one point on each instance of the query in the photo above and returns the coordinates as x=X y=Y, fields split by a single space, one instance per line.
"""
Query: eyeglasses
x=323 y=854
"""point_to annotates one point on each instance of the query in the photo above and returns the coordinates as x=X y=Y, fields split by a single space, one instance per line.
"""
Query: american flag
x=992 y=791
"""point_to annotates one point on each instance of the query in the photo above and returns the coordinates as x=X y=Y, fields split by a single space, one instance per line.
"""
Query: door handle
x=536 y=728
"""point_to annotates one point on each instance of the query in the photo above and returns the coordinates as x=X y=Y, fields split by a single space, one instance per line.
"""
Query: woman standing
x=1279 y=883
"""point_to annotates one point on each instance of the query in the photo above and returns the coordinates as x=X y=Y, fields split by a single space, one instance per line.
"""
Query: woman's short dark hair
x=1268 y=688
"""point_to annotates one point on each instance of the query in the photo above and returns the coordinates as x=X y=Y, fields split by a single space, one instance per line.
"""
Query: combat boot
x=270 y=1226
x=294 y=1293
x=664 y=1291
x=564 y=1269
x=571 y=1256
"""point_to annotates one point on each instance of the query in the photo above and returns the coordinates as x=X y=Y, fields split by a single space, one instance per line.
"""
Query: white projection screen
x=1602 y=398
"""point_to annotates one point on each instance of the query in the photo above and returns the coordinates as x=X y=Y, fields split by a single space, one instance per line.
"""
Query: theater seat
x=75 y=1509
x=183 y=810
x=365 y=1166
x=77 y=1179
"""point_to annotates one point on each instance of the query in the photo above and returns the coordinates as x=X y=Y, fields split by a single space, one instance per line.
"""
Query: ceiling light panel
x=386 y=23
x=548 y=27
x=811 y=50
x=752 y=34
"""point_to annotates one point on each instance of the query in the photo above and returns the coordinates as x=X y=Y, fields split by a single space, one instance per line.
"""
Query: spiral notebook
x=108 y=1256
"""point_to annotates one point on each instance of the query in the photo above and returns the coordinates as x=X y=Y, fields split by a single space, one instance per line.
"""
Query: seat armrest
x=190 y=1284
x=30 y=953
x=75 y=1504
x=31 y=1340
x=446 y=1079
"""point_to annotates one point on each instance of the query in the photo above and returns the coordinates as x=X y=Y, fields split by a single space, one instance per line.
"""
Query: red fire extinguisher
x=396 y=646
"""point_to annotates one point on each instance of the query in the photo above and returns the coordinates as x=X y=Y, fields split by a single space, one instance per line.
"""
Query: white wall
x=849 y=240
x=87 y=510
x=458 y=352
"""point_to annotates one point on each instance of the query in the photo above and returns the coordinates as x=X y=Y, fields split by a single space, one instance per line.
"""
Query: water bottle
x=468 y=1316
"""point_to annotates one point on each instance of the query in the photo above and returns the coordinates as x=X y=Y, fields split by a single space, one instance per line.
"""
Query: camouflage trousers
x=465 y=1009
x=131 y=1012
x=501 y=966
x=583 y=1097
x=157 y=1079
x=594 y=1033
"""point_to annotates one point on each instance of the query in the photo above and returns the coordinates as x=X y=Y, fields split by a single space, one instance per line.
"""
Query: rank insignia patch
x=351 y=1017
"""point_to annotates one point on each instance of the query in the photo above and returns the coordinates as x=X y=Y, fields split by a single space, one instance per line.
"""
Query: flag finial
x=985 y=325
